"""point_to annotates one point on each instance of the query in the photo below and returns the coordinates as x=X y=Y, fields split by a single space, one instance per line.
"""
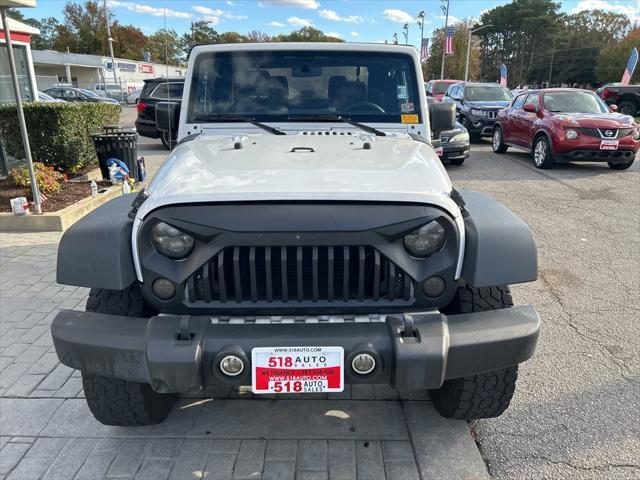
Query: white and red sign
x=609 y=144
x=297 y=369
x=145 y=68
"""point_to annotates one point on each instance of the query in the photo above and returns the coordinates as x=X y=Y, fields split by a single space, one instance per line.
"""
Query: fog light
x=231 y=365
x=163 y=289
x=433 y=286
x=363 y=363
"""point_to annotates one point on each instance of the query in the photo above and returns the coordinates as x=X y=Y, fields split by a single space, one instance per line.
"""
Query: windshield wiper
x=238 y=118
x=336 y=118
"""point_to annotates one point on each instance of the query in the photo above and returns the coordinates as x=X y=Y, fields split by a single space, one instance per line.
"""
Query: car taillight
x=141 y=106
x=605 y=93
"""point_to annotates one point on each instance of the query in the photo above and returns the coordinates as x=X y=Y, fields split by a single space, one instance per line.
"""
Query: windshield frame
x=412 y=81
x=492 y=87
x=603 y=106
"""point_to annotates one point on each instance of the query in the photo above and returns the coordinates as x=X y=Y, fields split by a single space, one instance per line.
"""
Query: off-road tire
x=485 y=395
x=119 y=402
x=497 y=141
x=628 y=108
x=620 y=166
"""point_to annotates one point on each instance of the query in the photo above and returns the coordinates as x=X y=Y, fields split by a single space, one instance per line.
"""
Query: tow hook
x=407 y=329
x=184 y=333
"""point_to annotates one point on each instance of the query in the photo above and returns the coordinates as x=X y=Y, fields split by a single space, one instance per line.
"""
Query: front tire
x=119 y=402
x=542 y=157
x=497 y=141
x=484 y=395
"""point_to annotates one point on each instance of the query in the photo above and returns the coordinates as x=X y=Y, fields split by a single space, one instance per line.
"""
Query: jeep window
x=574 y=102
x=273 y=85
x=481 y=93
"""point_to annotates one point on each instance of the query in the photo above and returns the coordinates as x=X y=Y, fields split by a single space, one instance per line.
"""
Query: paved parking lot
x=575 y=413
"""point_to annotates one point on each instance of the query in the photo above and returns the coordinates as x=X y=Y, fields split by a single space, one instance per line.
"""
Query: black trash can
x=119 y=144
x=109 y=129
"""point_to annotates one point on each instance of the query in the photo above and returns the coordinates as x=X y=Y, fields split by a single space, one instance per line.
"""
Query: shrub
x=46 y=176
x=59 y=133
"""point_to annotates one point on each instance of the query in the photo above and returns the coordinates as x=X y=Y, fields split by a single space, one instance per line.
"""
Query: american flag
x=425 y=49
x=449 y=32
x=503 y=75
x=631 y=66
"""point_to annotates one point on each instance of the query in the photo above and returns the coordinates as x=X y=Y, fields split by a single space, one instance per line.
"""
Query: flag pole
x=446 y=24
x=21 y=120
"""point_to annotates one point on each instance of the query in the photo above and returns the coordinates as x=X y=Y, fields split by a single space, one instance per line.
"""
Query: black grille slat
x=237 y=279
x=268 y=280
x=301 y=274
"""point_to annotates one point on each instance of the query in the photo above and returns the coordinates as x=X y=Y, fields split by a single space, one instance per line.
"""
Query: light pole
x=405 y=32
x=421 y=24
x=553 y=50
x=113 y=60
x=445 y=10
x=466 y=66
x=395 y=38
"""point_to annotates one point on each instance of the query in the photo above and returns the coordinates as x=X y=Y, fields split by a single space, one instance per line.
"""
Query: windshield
x=487 y=94
x=89 y=93
x=441 y=87
x=275 y=85
x=574 y=102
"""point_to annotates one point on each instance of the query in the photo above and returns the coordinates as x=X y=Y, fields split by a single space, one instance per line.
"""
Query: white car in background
x=134 y=97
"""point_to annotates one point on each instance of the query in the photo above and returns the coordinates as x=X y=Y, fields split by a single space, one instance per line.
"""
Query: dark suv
x=477 y=105
x=158 y=90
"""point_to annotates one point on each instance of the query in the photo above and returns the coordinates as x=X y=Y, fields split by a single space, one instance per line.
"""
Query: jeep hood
x=332 y=165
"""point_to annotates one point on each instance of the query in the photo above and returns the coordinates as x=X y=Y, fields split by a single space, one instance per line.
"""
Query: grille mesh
x=299 y=274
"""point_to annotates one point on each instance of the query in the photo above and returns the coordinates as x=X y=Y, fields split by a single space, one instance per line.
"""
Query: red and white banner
x=449 y=32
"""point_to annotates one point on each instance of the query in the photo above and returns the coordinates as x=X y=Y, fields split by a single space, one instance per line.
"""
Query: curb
x=55 y=221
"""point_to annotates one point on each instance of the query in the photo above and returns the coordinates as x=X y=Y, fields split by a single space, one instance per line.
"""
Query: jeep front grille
x=298 y=274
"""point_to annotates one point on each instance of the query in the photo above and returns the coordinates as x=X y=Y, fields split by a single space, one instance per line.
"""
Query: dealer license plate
x=609 y=144
x=297 y=369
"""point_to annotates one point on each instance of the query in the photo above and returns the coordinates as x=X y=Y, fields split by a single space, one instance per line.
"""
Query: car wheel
x=620 y=166
x=119 y=402
x=497 y=142
x=627 y=108
x=484 y=395
x=168 y=139
x=542 y=153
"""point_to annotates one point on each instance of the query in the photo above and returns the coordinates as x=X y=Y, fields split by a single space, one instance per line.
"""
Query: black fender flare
x=95 y=251
x=499 y=246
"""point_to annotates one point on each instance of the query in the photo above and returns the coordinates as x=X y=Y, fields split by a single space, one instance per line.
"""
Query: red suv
x=437 y=88
x=564 y=125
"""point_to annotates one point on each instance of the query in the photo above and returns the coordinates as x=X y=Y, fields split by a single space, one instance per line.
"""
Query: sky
x=352 y=20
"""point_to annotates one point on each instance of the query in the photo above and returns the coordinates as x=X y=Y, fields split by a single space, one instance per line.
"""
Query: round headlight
x=426 y=240
x=170 y=241
x=571 y=134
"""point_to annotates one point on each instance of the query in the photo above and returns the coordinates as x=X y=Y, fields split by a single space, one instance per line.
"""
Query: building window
x=22 y=67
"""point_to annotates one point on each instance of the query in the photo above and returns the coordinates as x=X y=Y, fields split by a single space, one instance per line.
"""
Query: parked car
x=307 y=238
x=437 y=88
x=454 y=144
x=158 y=90
x=43 y=97
x=134 y=96
x=478 y=105
x=110 y=90
x=566 y=125
x=72 y=94
x=626 y=97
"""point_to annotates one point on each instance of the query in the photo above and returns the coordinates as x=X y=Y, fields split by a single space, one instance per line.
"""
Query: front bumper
x=596 y=155
x=180 y=354
x=480 y=126
x=455 y=151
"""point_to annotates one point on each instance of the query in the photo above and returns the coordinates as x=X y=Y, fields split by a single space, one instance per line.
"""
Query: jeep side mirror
x=613 y=108
x=167 y=116
x=442 y=117
x=529 y=107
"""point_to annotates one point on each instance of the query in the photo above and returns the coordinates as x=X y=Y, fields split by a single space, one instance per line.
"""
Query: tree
x=306 y=34
x=48 y=32
x=256 y=36
x=84 y=29
x=612 y=60
x=164 y=47
x=200 y=34
x=128 y=41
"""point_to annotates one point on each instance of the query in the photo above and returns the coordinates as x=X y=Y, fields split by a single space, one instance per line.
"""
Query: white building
x=87 y=71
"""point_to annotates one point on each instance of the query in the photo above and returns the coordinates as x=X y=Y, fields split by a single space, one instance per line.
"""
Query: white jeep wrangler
x=303 y=235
